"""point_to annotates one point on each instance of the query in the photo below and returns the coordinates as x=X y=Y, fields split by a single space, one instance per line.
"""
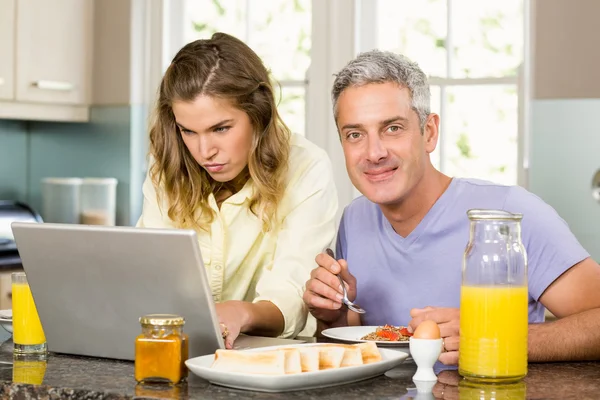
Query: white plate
x=201 y=366
x=6 y=320
x=353 y=334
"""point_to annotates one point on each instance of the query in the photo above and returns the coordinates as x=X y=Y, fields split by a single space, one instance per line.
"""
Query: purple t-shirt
x=395 y=274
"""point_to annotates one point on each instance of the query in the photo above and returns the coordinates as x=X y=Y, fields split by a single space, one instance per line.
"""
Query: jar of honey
x=161 y=349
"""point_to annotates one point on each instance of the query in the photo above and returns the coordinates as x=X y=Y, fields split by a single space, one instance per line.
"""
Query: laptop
x=92 y=283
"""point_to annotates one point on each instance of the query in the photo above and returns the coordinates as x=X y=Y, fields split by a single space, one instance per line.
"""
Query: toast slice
x=330 y=356
x=263 y=363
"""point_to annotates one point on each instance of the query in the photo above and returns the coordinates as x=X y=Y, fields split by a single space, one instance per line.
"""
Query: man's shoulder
x=480 y=186
x=485 y=194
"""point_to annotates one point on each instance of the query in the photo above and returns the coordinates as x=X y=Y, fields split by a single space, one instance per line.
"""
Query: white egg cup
x=425 y=352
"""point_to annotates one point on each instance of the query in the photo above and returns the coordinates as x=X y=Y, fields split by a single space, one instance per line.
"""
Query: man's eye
x=394 y=128
x=353 y=135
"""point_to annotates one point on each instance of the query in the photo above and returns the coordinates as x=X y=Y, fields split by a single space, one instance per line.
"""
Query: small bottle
x=161 y=349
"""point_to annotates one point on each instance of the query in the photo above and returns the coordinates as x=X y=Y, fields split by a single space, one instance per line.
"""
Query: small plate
x=353 y=334
x=201 y=366
x=6 y=320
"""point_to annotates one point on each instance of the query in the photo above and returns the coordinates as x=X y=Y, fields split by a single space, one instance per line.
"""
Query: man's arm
x=574 y=298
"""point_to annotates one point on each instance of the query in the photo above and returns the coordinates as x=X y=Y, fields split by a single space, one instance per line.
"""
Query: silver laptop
x=92 y=283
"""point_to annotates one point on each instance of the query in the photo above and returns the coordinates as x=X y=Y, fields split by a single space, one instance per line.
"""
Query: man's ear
x=431 y=132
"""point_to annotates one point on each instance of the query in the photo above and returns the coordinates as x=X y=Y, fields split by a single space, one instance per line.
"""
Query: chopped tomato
x=405 y=332
x=393 y=336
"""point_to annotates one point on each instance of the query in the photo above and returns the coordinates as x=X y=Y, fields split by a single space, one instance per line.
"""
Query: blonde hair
x=226 y=68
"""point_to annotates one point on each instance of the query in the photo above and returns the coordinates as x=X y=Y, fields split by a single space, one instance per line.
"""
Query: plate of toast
x=295 y=367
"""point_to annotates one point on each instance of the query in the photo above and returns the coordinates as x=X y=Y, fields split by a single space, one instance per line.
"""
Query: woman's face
x=218 y=135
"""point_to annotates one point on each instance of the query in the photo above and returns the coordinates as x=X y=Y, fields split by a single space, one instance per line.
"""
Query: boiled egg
x=427 y=330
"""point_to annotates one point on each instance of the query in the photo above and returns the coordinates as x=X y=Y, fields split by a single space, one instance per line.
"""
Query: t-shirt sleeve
x=550 y=245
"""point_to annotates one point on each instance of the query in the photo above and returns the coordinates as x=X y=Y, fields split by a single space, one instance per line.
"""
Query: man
x=400 y=246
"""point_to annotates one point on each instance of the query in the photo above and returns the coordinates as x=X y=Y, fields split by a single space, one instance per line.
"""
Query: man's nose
x=376 y=150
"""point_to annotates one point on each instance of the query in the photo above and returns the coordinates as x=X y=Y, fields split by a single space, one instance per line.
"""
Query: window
x=279 y=31
x=472 y=50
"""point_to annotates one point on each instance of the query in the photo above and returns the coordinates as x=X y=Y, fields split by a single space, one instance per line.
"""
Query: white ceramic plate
x=285 y=383
x=353 y=334
x=6 y=320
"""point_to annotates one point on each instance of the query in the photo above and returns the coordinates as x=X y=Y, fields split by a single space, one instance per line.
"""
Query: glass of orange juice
x=28 y=335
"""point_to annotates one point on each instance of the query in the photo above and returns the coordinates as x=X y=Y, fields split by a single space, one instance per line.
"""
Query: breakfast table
x=73 y=377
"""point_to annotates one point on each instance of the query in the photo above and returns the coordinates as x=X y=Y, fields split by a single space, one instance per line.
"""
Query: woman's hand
x=262 y=318
x=233 y=319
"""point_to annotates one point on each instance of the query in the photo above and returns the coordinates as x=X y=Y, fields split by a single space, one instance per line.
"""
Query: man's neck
x=406 y=215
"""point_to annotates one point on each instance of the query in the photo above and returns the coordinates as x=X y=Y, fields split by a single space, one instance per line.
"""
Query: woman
x=262 y=200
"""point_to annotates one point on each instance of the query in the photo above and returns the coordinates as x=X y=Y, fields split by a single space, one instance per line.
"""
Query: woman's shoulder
x=304 y=153
x=309 y=165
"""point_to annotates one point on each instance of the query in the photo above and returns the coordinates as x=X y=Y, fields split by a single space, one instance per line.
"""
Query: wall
x=565 y=134
x=30 y=151
x=13 y=160
x=113 y=143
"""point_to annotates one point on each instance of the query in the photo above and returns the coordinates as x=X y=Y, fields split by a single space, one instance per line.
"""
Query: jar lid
x=482 y=214
x=162 y=320
x=63 y=181
x=99 y=181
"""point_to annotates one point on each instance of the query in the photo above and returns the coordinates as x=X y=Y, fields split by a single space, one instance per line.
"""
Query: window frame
x=344 y=29
x=521 y=81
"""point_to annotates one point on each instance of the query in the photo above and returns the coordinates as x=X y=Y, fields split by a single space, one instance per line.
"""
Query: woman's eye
x=222 y=129
x=186 y=132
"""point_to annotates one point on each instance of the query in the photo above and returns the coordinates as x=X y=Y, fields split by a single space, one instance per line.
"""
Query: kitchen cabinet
x=7 y=44
x=50 y=48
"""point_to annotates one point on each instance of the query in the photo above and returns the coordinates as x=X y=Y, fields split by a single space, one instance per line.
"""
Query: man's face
x=386 y=153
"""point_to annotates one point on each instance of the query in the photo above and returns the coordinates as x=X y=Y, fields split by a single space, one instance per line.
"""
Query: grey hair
x=378 y=66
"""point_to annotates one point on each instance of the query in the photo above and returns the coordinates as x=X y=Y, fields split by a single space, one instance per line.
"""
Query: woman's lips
x=214 y=167
x=380 y=174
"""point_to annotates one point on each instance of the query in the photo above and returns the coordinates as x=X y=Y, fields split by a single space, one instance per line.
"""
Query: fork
x=351 y=306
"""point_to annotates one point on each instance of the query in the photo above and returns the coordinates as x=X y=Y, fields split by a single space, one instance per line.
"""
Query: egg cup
x=425 y=352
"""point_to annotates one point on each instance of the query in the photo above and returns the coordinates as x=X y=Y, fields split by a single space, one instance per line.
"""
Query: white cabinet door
x=54 y=51
x=7 y=49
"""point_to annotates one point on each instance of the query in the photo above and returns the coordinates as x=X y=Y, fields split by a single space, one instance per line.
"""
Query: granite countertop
x=73 y=377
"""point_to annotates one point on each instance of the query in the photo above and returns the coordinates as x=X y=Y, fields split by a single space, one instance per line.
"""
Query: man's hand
x=447 y=386
x=323 y=294
x=448 y=319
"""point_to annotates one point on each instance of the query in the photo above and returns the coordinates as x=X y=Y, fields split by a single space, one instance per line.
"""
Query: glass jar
x=161 y=349
x=494 y=299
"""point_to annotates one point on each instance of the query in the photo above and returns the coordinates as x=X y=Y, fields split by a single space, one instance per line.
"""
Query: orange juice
x=27 y=328
x=29 y=371
x=493 y=333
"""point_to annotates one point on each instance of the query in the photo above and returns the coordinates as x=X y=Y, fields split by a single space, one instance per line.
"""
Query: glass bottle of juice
x=494 y=299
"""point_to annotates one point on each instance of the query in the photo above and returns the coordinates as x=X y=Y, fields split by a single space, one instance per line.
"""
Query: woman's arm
x=308 y=213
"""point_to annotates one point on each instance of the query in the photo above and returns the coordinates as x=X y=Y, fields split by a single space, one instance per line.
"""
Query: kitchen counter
x=73 y=377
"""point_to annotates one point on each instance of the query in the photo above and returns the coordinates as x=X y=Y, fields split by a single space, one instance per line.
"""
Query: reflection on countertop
x=63 y=376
